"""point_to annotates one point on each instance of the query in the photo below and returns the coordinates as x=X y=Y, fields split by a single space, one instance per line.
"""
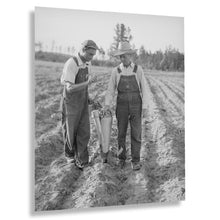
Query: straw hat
x=124 y=48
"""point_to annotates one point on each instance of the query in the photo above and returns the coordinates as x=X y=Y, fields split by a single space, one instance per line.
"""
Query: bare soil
x=59 y=185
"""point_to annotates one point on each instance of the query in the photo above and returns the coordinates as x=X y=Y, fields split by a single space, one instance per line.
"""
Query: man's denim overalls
x=75 y=119
x=129 y=108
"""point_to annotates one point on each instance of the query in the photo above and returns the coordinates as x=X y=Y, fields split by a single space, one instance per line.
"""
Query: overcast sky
x=68 y=27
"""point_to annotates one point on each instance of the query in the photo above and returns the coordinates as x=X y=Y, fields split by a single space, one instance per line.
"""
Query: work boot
x=136 y=166
x=81 y=165
x=70 y=160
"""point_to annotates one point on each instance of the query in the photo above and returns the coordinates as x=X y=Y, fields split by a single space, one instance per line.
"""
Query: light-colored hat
x=124 y=48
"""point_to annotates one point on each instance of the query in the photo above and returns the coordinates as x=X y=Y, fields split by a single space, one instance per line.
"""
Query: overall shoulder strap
x=119 y=70
x=76 y=61
x=135 y=68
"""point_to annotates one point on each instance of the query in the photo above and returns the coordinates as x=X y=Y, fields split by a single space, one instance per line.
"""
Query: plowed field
x=59 y=185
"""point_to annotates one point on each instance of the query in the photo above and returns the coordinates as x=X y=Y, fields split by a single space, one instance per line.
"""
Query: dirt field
x=162 y=176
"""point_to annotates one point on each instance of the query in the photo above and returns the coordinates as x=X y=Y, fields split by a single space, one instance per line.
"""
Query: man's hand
x=92 y=79
x=97 y=105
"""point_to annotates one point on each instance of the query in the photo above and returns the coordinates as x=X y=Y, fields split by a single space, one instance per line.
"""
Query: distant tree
x=122 y=33
x=60 y=49
x=72 y=49
x=68 y=50
x=53 y=46
x=142 y=54
x=38 y=46
x=145 y=58
x=101 y=53
x=101 y=50
x=171 y=60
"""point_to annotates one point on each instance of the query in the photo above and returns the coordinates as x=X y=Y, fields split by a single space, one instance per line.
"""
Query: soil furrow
x=173 y=87
x=165 y=157
x=171 y=103
x=161 y=179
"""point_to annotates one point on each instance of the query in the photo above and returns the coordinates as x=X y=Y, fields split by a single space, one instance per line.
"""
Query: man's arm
x=75 y=87
x=68 y=78
x=145 y=90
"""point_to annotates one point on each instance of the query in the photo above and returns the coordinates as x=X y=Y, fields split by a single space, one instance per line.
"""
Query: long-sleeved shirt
x=70 y=71
x=114 y=80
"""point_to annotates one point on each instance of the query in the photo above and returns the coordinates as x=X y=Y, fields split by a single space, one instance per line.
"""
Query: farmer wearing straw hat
x=75 y=114
x=129 y=81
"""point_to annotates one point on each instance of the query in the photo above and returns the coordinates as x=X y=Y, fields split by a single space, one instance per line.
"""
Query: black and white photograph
x=109 y=109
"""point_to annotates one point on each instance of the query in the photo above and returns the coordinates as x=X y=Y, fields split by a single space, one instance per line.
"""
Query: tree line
x=169 y=60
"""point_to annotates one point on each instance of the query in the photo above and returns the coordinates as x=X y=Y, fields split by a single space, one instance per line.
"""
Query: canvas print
x=109 y=109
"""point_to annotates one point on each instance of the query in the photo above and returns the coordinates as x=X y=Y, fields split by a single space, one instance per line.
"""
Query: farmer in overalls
x=75 y=114
x=129 y=81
